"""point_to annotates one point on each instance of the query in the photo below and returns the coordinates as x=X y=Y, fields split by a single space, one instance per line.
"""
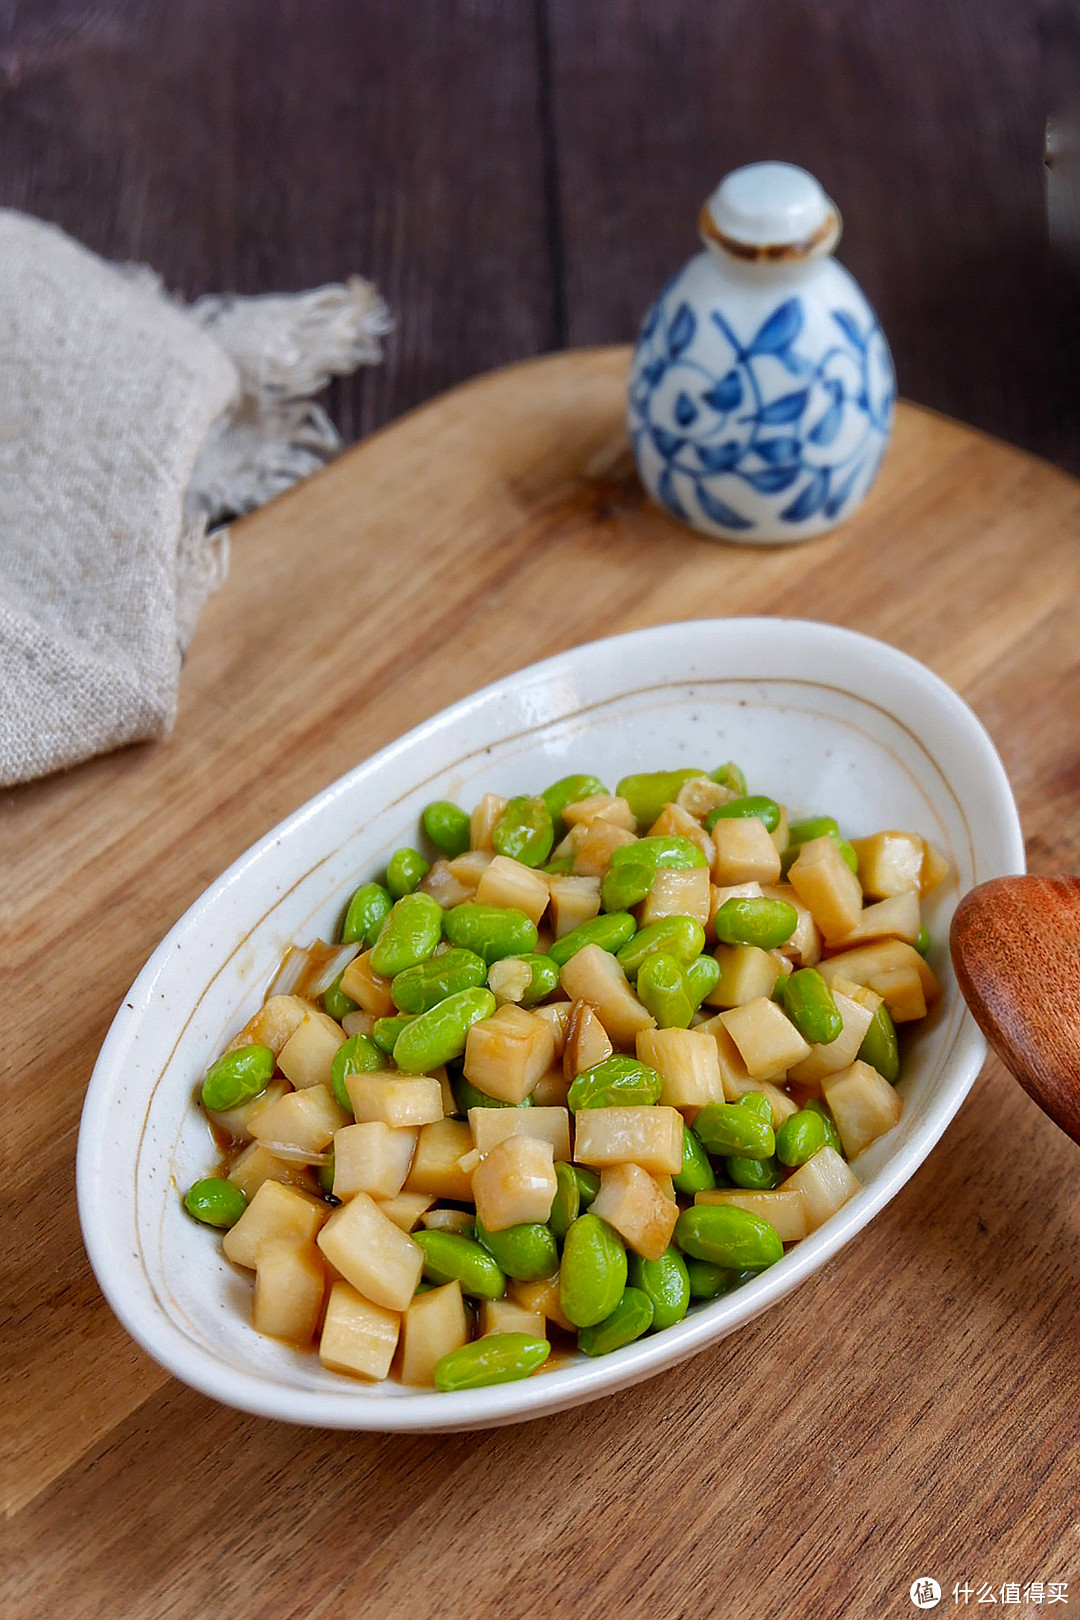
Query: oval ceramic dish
x=821 y=718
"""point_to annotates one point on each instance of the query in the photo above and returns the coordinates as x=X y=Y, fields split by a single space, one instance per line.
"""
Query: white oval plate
x=821 y=718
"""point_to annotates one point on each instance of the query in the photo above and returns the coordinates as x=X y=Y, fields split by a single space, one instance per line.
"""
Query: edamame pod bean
x=681 y=937
x=728 y=1236
x=368 y=908
x=624 y=886
x=731 y=777
x=448 y=827
x=706 y=1280
x=756 y=1175
x=409 y=934
x=799 y=1137
x=467 y=1096
x=419 y=988
x=922 y=943
x=336 y=1002
x=672 y=852
x=702 y=976
x=570 y=790
x=404 y=870
x=632 y=1317
x=665 y=1284
x=758 y=1104
x=566 y=1205
x=832 y=1135
x=543 y=977
x=385 y=1031
x=744 y=920
x=215 y=1202
x=558 y=868
x=615 y=1082
x=491 y=931
x=697 y=1174
x=663 y=991
x=755 y=804
x=359 y=1055
x=526 y=1252
x=880 y=1047
x=593 y=1272
x=498 y=1358
x=438 y=1036
x=808 y=1002
x=525 y=831
x=588 y=1183
x=726 y=1128
x=647 y=792
x=610 y=932
x=449 y=1257
x=236 y=1076
x=801 y=832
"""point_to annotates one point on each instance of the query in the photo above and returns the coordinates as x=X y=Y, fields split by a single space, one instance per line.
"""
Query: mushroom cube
x=358 y=1336
x=514 y=1183
x=506 y=1054
x=630 y=1201
x=372 y=1253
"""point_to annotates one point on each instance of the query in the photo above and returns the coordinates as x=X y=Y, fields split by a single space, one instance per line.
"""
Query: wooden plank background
x=518 y=175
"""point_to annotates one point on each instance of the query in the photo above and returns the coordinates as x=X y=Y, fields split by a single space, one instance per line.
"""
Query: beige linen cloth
x=131 y=427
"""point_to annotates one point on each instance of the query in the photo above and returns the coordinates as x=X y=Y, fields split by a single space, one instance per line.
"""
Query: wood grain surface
x=522 y=174
x=912 y=1411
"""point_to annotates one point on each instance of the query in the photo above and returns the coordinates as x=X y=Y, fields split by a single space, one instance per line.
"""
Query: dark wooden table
x=519 y=175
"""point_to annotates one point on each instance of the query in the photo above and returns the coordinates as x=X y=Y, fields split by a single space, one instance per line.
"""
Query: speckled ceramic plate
x=821 y=718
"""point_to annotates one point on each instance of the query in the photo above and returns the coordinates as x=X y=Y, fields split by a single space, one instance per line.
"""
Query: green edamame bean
x=409 y=934
x=570 y=790
x=665 y=1284
x=729 y=1128
x=624 y=886
x=744 y=920
x=566 y=1205
x=801 y=832
x=731 y=777
x=758 y=1104
x=491 y=931
x=697 y=1174
x=922 y=943
x=215 y=1202
x=663 y=991
x=467 y=1096
x=448 y=827
x=359 y=1055
x=702 y=977
x=419 y=988
x=808 y=1002
x=670 y=851
x=681 y=937
x=404 y=870
x=385 y=1031
x=799 y=1138
x=336 y=1002
x=236 y=1076
x=543 y=977
x=588 y=1183
x=710 y=1282
x=449 y=1257
x=632 y=1317
x=880 y=1047
x=756 y=1175
x=438 y=1035
x=525 y=831
x=526 y=1252
x=755 y=804
x=610 y=932
x=728 y=1236
x=615 y=1082
x=832 y=1135
x=647 y=792
x=367 y=910
x=559 y=867
x=593 y=1272
x=498 y=1358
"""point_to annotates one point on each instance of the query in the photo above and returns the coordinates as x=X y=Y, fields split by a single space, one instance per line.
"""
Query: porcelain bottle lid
x=770 y=211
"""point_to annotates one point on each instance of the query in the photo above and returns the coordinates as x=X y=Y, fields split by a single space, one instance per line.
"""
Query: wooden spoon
x=1015 y=945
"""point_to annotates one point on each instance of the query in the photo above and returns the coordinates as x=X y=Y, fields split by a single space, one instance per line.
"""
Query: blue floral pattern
x=714 y=417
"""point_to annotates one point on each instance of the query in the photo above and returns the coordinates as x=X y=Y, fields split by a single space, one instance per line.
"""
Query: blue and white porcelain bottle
x=762 y=388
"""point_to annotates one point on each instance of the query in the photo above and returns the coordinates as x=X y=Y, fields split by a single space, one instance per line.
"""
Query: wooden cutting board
x=914 y=1411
